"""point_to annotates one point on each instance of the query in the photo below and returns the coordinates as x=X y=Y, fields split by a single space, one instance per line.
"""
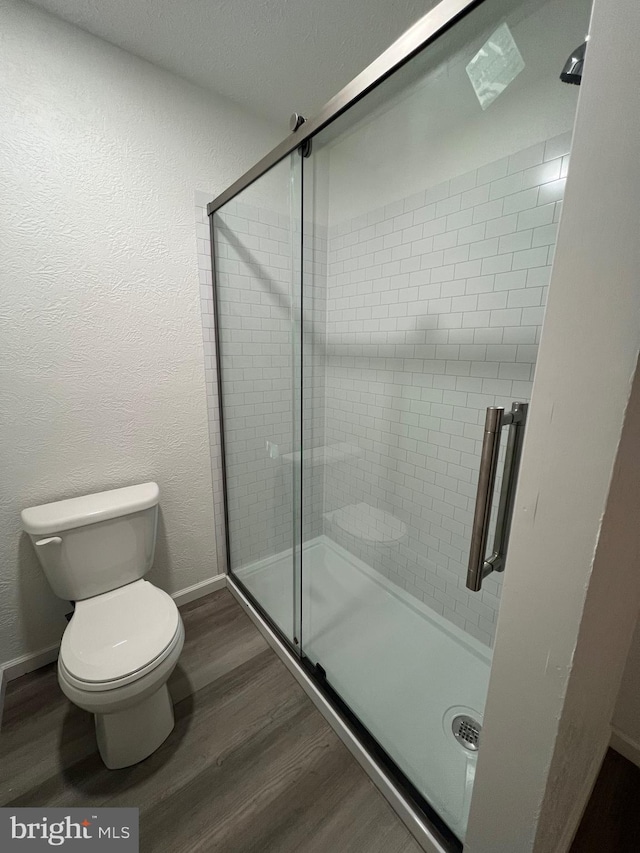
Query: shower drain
x=466 y=731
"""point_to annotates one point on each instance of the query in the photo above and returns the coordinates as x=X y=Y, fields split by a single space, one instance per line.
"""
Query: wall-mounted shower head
x=572 y=71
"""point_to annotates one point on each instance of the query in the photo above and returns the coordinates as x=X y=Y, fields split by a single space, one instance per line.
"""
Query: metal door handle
x=496 y=418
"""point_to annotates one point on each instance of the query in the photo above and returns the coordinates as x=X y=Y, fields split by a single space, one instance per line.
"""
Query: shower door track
x=417 y=815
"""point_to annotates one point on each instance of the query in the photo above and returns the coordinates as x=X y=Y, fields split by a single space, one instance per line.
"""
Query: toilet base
x=129 y=736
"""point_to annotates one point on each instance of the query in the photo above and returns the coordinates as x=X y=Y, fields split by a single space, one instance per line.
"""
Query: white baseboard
x=625 y=745
x=27 y=663
x=34 y=660
x=198 y=590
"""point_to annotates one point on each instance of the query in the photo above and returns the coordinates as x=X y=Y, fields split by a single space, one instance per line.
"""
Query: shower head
x=572 y=71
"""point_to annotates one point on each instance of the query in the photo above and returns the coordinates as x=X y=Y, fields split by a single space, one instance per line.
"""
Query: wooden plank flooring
x=611 y=822
x=250 y=766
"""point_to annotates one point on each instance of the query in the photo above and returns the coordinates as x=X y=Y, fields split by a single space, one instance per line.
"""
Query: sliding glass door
x=257 y=261
x=380 y=295
x=435 y=202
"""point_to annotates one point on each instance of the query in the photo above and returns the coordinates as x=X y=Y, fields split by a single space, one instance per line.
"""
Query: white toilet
x=125 y=636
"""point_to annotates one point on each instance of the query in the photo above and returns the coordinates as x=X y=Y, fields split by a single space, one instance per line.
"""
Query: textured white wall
x=102 y=376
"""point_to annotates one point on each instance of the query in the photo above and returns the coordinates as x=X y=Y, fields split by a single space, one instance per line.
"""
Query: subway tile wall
x=418 y=315
x=258 y=260
x=434 y=311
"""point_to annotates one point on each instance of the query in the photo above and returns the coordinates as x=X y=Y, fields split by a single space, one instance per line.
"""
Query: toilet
x=125 y=636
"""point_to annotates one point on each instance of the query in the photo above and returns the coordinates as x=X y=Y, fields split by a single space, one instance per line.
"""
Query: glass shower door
x=257 y=259
x=434 y=202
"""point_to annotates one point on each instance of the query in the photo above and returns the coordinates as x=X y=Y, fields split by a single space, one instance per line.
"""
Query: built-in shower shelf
x=368 y=523
x=325 y=455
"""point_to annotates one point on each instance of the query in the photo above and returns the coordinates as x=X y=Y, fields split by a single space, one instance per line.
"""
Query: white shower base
x=403 y=670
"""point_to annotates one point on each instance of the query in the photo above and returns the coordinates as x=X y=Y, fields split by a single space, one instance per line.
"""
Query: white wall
x=103 y=381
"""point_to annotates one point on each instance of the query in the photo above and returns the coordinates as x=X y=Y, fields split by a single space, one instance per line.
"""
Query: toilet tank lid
x=89 y=509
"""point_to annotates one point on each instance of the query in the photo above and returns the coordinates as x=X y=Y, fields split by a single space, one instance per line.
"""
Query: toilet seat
x=119 y=636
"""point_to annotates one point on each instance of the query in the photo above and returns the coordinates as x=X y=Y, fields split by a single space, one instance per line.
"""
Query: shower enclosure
x=380 y=281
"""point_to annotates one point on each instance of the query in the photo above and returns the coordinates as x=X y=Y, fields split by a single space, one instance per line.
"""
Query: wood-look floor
x=611 y=822
x=250 y=766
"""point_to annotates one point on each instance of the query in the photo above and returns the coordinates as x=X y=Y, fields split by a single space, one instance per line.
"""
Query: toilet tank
x=95 y=543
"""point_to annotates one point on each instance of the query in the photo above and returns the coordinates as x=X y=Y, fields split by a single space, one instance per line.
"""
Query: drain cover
x=466 y=731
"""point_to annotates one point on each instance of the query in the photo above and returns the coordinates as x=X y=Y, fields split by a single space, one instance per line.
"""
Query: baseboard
x=625 y=745
x=198 y=590
x=27 y=663
x=580 y=802
x=34 y=660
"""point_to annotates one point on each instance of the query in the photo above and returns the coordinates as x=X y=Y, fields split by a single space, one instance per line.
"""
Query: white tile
x=536 y=217
x=476 y=319
x=530 y=258
x=542 y=174
x=510 y=280
x=489 y=301
x=496 y=264
x=424 y=214
x=468 y=269
x=526 y=159
x=532 y=316
x=551 y=192
x=545 y=235
x=461 y=219
x=558 y=146
x=507 y=186
x=483 y=248
x=492 y=171
x=506 y=317
x=525 y=297
x=456 y=255
x=521 y=201
x=527 y=354
x=538 y=277
x=514 y=370
x=448 y=205
x=473 y=233
x=490 y=210
x=519 y=334
x=501 y=353
x=480 y=284
x=463 y=183
x=474 y=197
x=445 y=241
x=502 y=225
x=464 y=303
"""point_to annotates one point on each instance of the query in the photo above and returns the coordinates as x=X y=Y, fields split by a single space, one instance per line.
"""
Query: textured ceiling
x=271 y=56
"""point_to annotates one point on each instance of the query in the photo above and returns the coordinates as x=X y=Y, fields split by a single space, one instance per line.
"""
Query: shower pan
x=380 y=281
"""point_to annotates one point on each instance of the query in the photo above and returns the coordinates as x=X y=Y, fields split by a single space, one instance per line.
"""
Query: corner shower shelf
x=368 y=523
x=325 y=455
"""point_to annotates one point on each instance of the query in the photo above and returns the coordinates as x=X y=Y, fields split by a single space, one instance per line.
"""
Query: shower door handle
x=496 y=418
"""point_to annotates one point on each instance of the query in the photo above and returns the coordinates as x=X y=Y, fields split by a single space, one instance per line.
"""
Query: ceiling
x=270 y=56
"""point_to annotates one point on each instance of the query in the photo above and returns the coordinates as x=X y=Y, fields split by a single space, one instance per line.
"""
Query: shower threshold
x=397 y=676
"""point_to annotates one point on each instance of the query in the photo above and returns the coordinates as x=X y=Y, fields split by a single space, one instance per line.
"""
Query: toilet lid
x=114 y=634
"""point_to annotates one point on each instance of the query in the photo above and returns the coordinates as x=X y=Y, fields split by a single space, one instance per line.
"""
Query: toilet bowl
x=116 y=655
x=126 y=635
